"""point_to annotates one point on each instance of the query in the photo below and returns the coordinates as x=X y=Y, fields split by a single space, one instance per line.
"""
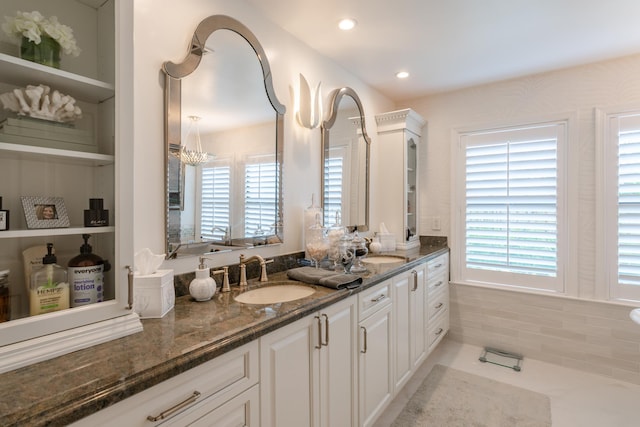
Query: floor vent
x=501 y=358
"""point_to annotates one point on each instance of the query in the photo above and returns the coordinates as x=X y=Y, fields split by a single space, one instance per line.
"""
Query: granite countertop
x=70 y=387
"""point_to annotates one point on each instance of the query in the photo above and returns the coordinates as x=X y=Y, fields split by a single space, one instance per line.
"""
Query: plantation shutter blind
x=260 y=195
x=216 y=193
x=511 y=212
x=628 y=195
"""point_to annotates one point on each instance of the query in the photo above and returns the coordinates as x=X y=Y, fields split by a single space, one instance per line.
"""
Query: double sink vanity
x=298 y=355
x=335 y=357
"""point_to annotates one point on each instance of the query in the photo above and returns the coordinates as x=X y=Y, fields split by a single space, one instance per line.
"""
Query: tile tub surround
x=70 y=387
x=591 y=336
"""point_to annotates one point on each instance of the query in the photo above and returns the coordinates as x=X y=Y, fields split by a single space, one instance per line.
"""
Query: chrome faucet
x=243 y=268
x=227 y=235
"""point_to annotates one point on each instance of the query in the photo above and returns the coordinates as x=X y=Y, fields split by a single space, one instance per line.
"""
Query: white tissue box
x=387 y=242
x=153 y=294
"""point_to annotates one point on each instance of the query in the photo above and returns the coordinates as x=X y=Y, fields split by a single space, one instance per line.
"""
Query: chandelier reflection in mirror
x=189 y=156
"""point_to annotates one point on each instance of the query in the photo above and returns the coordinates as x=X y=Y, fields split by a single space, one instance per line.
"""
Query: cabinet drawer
x=242 y=410
x=211 y=384
x=437 y=302
x=437 y=283
x=437 y=265
x=438 y=327
x=373 y=299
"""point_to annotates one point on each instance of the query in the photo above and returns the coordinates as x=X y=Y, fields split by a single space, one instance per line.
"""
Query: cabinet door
x=409 y=324
x=286 y=374
x=418 y=311
x=402 y=329
x=338 y=365
x=375 y=376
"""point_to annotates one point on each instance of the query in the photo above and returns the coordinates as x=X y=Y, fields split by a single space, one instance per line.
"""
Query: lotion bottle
x=86 y=276
x=203 y=287
x=49 y=287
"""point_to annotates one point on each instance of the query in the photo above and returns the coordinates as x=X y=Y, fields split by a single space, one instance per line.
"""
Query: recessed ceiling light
x=347 y=24
x=402 y=74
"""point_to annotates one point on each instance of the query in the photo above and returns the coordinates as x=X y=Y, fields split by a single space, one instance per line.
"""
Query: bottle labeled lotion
x=86 y=276
x=49 y=287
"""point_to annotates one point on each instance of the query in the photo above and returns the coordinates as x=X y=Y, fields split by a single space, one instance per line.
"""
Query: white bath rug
x=452 y=398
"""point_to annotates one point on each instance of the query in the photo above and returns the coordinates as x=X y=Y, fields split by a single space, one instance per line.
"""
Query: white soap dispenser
x=203 y=287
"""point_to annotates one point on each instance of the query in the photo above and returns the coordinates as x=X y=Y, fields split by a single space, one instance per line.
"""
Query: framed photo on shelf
x=45 y=212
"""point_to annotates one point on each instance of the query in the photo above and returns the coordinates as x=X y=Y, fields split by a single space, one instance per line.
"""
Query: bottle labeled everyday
x=49 y=287
x=86 y=276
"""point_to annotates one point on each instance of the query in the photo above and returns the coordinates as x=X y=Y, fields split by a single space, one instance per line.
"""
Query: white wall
x=162 y=31
x=575 y=332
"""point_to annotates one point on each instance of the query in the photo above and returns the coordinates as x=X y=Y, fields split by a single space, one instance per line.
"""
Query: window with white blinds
x=215 y=200
x=260 y=190
x=622 y=206
x=512 y=206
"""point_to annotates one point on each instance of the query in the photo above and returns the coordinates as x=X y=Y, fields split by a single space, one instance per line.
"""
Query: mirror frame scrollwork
x=174 y=72
x=335 y=98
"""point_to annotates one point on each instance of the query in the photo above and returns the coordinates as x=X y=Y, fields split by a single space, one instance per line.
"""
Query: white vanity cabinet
x=221 y=392
x=376 y=351
x=399 y=136
x=29 y=168
x=410 y=322
x=308 y=370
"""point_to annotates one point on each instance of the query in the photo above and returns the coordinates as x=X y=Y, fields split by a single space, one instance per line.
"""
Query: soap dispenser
x=86 y=275
x=203 y=287
x=49 y=286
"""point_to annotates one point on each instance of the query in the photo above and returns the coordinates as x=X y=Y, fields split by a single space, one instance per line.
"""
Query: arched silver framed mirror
x=220 y=102
x=345 y=162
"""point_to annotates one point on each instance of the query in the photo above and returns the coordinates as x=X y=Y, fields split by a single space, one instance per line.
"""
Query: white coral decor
x=41 y=103
x=33 y=26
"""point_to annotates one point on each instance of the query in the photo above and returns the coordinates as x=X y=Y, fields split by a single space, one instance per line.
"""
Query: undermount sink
x=383 y=259
x=275 y=294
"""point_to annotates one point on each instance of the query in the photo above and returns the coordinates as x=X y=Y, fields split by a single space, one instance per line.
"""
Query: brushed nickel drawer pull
x=365 y=339
x=319 y=332
x=438 y=284
x=415 y=280
x=188 y=401
x=326 y=329
x=439 y=331
x=129 y=287
x=380 y=298
x=439 y=306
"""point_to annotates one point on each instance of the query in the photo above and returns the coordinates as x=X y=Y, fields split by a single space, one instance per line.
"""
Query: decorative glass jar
x=360 y=250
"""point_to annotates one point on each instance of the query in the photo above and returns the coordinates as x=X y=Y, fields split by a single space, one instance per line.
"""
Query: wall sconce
x=309 y=109
x=193 y=157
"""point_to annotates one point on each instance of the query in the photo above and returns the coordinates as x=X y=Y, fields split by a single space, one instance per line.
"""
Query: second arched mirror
x=220 y=102
x=345 y=162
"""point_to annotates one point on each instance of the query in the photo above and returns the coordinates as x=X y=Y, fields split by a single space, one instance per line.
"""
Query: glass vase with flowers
x=42 y=40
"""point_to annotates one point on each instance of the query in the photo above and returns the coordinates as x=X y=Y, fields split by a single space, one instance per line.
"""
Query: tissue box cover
x=387 y=242
x=153 y=294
